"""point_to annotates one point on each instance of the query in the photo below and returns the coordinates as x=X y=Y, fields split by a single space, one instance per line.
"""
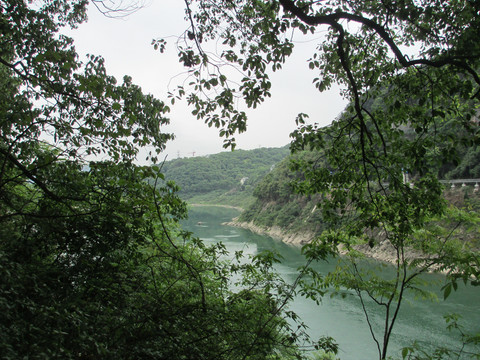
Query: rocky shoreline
x=384 y=251
x=274 y=232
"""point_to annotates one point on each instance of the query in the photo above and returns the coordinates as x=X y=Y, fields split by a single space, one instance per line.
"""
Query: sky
x=125 y=43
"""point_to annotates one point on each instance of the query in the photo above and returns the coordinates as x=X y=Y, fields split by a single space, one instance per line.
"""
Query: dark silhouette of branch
x=192 y=269
x=118 y=8
x=34 y=179
x=334 y=18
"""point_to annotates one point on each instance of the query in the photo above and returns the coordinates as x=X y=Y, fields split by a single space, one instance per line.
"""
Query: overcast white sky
x=126 y=46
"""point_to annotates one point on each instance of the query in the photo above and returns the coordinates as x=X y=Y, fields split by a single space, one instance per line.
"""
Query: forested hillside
x=277 y=205
x=226 y=178
x=282 y=200
x=280 y=204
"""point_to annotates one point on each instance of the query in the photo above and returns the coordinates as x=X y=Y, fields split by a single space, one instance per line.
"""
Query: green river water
x=342 y=318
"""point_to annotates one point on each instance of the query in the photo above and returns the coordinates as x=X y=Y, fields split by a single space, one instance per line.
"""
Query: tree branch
x=32 y=177
x=334 y=18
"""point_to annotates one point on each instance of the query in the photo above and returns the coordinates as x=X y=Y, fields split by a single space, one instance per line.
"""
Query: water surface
x=343 y=318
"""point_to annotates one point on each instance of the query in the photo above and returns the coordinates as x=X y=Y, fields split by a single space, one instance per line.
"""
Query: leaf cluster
x=92 y=259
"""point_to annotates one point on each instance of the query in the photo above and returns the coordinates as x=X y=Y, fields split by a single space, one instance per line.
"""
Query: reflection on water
x=343 y=318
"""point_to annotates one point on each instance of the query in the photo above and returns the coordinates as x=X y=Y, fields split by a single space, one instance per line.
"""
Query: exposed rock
x=383 y=251
x=275 y=232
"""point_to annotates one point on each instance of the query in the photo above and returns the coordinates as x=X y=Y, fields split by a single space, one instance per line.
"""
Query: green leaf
x=446 y=291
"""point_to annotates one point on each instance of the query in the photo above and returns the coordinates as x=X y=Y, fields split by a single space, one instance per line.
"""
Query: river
x=343 y=318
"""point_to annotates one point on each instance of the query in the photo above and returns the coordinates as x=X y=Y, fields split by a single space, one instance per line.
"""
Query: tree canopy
x=92 y=259
x=361 y=45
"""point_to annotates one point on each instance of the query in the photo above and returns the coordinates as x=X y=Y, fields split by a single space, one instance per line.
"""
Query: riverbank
x=466 y=230
x=275 y=232
x=383 y=251
x=219 y=205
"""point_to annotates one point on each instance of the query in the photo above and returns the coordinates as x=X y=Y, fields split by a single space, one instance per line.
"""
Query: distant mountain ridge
x=227 y=178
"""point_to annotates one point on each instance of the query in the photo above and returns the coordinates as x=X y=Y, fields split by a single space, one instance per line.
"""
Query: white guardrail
x=462 y=182
x=453 y=183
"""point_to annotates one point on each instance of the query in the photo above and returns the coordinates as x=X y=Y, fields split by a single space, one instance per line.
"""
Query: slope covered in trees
x=226 y=178
x=278 y=203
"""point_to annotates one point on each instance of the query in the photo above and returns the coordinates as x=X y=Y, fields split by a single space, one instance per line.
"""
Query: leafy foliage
x=423 y=55
x=115 y=277
x=92 y=260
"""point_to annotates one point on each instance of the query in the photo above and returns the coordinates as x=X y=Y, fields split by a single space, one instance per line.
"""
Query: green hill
x=279 y=208
x=277 y=205
x=226 y=178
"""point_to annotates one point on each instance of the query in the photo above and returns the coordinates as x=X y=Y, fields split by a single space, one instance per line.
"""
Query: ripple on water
x=343 y=318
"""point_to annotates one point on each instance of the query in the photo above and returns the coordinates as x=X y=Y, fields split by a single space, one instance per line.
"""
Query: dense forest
x=93 y=262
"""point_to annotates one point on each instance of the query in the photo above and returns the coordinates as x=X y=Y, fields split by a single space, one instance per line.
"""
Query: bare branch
x=118 y=8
